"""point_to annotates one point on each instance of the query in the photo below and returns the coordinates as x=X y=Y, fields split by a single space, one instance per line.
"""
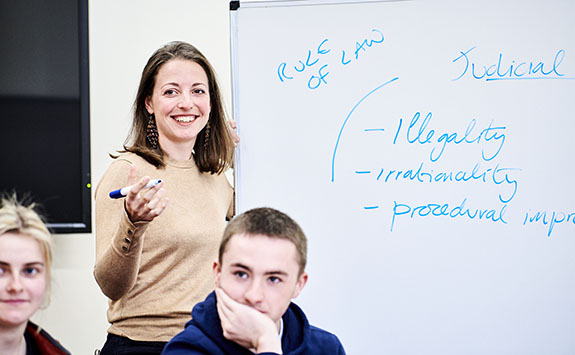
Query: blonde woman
x=25 y=261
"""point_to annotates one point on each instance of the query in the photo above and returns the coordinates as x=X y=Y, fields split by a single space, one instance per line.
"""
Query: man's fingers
x=223 y=301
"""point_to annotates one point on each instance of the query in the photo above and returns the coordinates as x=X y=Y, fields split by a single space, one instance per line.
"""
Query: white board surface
x=426 y=148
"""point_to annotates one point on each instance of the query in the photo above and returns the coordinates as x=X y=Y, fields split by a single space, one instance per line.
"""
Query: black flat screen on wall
x=44 y=108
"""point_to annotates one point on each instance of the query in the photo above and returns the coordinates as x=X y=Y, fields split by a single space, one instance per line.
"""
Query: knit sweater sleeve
x=118 y=241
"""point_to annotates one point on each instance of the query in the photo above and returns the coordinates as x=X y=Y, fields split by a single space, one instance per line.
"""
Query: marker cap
x=116 y=194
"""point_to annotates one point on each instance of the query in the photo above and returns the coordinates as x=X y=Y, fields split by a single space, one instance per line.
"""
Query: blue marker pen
x=124 y=190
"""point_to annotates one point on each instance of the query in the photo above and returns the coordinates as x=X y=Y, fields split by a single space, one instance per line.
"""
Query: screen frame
x=85 y=224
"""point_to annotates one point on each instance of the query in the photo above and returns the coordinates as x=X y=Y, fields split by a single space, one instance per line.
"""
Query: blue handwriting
x=313 y=64
x=416 y=133
x=362 y=47
x=517 y=70
x=496 y=175
x=311 y=59
x=554 y=218
x=445 y=210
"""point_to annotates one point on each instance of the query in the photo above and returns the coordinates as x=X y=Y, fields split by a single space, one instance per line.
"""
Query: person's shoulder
x=328 y=342
x=188 y=339
x=43 y=341
x=116 y=175
x=317 y=341
x=191 y=340
x=131 y=158
x=197 y=337
x=125 y=159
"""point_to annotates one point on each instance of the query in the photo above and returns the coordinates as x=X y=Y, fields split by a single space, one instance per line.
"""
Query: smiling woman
x=180 y=104
x=25 y=261
x=154 y=250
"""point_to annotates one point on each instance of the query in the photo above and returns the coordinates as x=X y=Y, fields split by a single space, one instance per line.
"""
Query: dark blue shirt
x=204 y=335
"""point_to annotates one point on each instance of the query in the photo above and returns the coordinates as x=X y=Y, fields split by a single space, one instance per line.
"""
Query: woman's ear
x=148 y=104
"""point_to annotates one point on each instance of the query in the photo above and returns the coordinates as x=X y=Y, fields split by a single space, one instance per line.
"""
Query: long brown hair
x=214 y=156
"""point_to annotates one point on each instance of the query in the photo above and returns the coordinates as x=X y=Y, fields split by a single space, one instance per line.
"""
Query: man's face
x=260 y=272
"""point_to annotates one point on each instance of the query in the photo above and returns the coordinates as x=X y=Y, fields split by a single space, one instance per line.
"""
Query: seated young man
x=260 y=269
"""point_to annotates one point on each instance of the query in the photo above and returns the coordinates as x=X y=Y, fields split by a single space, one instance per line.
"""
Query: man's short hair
x=271 y=223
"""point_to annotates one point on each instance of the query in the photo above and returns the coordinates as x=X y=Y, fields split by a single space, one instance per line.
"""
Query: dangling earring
x=207 y=136
x=152 y=133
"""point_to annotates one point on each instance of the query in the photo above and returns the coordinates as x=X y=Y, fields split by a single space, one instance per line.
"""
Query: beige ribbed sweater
x=154 y=273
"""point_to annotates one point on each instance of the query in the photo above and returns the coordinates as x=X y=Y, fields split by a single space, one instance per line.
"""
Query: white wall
x=123 y=34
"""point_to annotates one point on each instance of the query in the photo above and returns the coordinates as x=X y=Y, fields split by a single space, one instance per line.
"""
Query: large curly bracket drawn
x=347 y=119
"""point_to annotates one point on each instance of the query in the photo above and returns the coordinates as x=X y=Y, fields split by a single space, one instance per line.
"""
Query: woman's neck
x=12 y=341
x=179 y=152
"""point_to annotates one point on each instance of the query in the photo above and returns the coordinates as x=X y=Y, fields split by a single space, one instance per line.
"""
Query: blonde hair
x=17 y=217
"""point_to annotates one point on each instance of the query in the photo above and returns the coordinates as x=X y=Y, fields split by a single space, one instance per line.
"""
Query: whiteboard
x=426 y=148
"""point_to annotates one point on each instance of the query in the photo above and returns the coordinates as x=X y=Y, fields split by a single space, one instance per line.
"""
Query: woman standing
x=25 y=262
x=155 y=247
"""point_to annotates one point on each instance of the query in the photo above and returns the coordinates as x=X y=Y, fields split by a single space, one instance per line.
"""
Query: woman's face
x=22 y=278
x=180 y=102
